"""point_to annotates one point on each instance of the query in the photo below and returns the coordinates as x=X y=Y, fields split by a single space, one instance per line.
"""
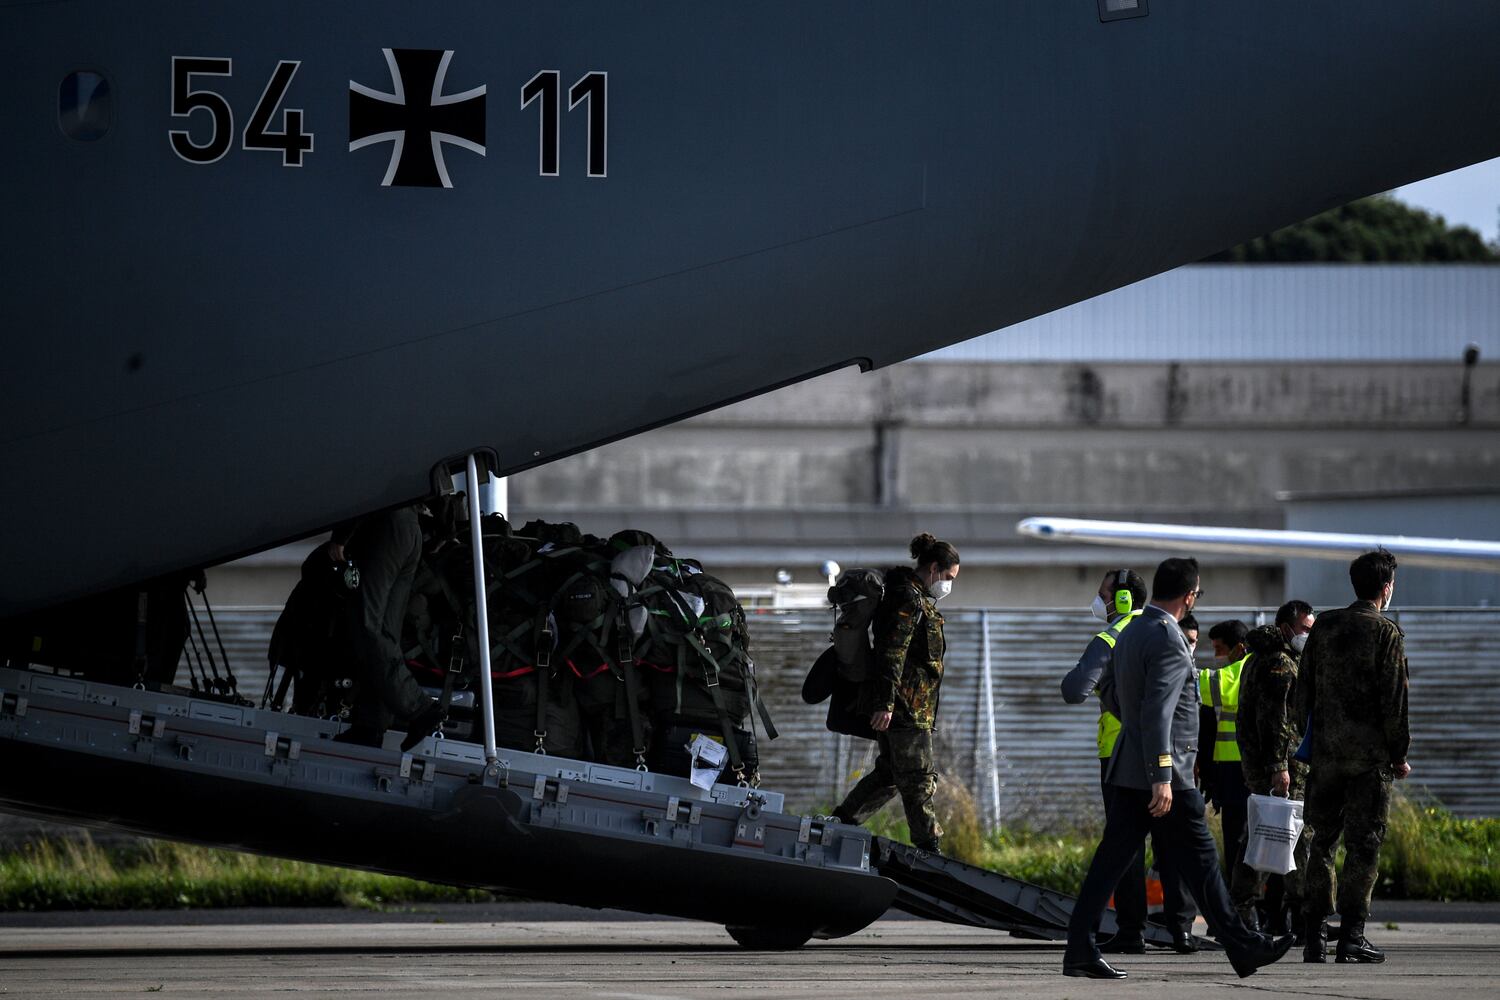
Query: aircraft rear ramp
x=170 y=764
x=940 y=888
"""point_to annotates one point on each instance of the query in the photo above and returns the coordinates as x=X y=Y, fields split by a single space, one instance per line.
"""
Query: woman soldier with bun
x=902 y=694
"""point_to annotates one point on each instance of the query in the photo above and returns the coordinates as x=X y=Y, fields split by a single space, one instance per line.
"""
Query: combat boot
x=1278 y=922
x=1314 y=939
x=1353 y=947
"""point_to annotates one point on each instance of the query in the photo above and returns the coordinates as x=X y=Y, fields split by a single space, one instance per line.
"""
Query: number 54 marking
x=291 y=140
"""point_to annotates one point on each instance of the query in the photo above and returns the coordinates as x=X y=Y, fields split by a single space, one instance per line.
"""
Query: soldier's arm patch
x=1165 y=760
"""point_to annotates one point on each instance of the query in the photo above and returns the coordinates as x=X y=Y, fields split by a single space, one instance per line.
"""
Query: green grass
x=81 y=875
x=1428 y=854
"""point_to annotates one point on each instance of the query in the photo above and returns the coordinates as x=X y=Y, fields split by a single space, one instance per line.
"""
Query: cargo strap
x=632 y=691
x=544 y=642
x=454 y=668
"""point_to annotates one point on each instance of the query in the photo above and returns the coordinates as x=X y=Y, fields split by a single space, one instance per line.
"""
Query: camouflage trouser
x=1354 y=803
x=903 y=767
x=1246 y=886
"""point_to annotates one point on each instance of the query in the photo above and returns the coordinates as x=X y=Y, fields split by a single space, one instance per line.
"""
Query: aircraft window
x=1114 y=10
x=84 y=106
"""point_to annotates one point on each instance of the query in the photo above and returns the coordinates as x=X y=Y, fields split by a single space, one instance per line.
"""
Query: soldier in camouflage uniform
x=1352 y=685
x=1269 y=732
x=902 y=696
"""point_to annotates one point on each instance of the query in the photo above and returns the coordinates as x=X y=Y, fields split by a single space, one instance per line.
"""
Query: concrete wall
x=849 y=466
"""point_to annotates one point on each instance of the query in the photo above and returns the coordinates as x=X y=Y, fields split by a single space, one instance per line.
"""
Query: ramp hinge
x=144 y=722
x=545 y=784
x=418 y=768
x=280 y=747
x=750 y=827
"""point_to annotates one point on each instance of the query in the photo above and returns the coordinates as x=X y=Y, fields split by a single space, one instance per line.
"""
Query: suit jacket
x=1150 y=683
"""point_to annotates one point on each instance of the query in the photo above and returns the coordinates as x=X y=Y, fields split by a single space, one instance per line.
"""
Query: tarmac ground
x=1447 y=951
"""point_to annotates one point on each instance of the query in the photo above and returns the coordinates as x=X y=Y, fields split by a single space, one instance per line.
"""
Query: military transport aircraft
x=268 y=266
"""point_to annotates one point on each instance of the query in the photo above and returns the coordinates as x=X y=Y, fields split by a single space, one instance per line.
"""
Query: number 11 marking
x=591 y=88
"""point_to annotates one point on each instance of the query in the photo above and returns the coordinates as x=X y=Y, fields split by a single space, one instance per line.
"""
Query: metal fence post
x=989 y=712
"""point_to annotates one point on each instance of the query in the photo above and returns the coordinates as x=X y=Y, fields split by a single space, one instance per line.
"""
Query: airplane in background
x=269 y=266
x=1437 y=553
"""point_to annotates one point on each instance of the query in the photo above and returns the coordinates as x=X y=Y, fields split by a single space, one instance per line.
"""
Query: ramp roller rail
x=939 y=888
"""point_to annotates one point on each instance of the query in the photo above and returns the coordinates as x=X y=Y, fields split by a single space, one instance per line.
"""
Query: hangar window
x=1115 y=10
x=84 y=106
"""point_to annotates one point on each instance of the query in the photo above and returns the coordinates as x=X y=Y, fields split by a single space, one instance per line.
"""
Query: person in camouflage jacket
x=1269 y=732
x=1352 y=687
x=902 y=694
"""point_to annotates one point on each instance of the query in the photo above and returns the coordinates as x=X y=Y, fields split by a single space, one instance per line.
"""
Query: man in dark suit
x=1151 y=685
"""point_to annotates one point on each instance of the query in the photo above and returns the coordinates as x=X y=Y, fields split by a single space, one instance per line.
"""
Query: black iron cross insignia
x=417 y=119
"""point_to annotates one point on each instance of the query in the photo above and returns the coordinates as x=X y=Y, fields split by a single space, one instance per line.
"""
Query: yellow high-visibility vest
x=1109 y=723
x=1221 y=689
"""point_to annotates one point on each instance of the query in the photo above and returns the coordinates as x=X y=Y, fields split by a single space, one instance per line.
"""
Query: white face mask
x=1099 y=609
x=942 y=589
x=1298 y=641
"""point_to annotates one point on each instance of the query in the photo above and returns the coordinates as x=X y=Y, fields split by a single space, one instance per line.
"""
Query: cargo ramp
x=939 y=888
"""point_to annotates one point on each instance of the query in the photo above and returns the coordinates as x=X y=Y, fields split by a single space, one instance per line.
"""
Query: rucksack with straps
x=534 y=707
x=696 y=649
x=312 y=645
x=838 y=674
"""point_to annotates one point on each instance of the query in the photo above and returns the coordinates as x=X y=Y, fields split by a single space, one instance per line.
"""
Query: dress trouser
x=1131 y=907
x=1183 y=845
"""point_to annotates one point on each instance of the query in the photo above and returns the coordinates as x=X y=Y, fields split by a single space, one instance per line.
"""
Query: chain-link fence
x=1004 y=731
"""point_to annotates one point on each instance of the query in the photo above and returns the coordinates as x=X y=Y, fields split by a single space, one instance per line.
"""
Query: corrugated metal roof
x=1266 y=312
x=1047 y=768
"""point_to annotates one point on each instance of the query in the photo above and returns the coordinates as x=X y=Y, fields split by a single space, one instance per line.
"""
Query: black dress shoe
x=1094 y=968
x=1183 y=942
x=1358 y=950
x=1264 y=953
x=1128 y=944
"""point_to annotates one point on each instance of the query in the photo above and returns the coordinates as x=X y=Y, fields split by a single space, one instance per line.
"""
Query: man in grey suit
x=1151 y=685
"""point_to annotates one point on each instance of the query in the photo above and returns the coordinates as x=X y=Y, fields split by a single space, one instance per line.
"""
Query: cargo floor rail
x=940 y=888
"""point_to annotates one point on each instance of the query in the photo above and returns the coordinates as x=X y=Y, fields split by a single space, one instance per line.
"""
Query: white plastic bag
x=1272 y=826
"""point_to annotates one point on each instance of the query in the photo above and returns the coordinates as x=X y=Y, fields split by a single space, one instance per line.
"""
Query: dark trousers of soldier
x=1232 y=796
x=1352 y=801
x=904 y=767
x=1183 y=845
x=1131 y=906
x=388 y=548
